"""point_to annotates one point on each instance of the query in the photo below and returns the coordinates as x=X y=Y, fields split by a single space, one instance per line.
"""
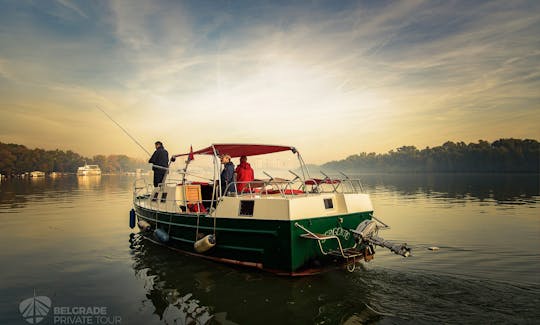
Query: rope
x=197 y=229
x=215 y=227
x=349 y=268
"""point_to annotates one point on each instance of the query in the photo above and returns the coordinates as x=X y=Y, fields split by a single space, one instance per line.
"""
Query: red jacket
x=244 y=173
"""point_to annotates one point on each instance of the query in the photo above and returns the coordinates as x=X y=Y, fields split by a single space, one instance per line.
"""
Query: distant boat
x=140 y=171
x=37 y=173
x=88 y=170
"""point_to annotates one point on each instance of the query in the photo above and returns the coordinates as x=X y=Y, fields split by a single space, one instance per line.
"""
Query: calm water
x=68 y=239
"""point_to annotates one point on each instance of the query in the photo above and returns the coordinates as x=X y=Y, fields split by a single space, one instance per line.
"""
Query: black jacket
x=160 y=158
x=227 y=177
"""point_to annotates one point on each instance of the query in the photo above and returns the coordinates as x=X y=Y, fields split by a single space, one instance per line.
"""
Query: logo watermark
x=35 y=309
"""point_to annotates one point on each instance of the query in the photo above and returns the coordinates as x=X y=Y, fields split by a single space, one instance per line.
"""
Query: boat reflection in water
x=187 y=290
x=88 y=182
x=171 y=291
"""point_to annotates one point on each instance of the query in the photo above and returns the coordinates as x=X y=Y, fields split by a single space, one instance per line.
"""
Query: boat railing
x=296 y=186
x=141 y=188
x=271 y=186
x=276 y=187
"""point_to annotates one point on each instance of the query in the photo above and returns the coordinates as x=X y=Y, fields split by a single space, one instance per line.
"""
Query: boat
x=297 y=226
x=138 y=172
x=37 y=173
x=88 y=170
x=141 y=172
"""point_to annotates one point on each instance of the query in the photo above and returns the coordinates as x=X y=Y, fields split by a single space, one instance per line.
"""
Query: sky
x=332 y=78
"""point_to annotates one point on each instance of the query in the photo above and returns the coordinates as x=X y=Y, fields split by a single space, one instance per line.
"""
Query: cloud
x=72 y=6
x=372 y=74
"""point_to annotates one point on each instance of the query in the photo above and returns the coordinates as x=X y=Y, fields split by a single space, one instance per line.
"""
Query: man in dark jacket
x=159 y=158
x=227 y=175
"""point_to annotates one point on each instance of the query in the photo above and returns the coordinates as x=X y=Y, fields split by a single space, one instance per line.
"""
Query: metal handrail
x=282 y=186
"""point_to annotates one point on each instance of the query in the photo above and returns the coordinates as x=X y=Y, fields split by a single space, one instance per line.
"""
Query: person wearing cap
x=227 y=175
x=160 y=158
x=244 y=174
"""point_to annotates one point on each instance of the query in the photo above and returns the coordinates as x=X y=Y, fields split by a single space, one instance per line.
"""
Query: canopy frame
x=236 y=150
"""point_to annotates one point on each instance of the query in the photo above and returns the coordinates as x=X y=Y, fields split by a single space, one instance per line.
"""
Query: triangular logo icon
x=35 y=309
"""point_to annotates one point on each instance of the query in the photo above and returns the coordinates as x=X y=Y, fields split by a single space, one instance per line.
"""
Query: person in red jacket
x=244 y=174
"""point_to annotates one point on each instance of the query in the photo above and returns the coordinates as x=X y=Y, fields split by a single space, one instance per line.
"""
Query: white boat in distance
x=88 y=170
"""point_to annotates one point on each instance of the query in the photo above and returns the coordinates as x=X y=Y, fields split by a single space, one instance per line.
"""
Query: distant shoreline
x=501 y=156
x=62 y=174
x=353 y=172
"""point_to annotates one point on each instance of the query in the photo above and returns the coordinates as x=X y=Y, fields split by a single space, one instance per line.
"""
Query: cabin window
x=328 y=204
x=154 y=199
x=164 y=197
x=246 y=208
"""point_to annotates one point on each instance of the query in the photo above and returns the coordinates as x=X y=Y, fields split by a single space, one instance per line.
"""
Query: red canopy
x=238 y=150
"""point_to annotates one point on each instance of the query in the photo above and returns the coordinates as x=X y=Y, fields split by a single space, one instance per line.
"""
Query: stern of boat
x=327 y=240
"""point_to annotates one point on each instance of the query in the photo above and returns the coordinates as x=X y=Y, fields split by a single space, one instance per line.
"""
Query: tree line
x=503 y=155
x=17 y=159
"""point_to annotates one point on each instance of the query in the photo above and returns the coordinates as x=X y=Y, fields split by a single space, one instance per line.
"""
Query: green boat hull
x=272 y=245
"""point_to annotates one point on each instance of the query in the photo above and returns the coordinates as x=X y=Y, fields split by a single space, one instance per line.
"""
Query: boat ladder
x=345 y=253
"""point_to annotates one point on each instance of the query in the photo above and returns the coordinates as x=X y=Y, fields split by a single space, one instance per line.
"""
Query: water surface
x=68 y=239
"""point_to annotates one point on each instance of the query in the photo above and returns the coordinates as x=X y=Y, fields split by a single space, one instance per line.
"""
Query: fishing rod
x=126 y=132
x=129 y=135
